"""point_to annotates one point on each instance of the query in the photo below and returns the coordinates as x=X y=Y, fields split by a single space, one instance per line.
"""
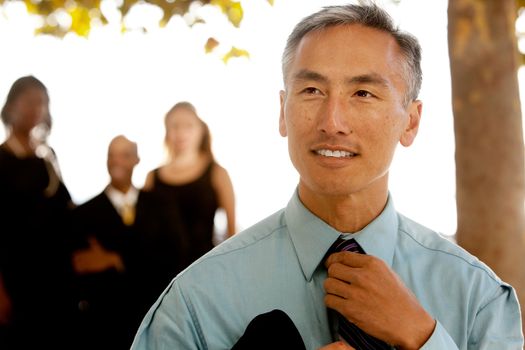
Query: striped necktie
x=352 y=334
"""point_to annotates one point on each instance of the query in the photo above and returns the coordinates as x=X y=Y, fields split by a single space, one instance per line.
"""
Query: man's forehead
x=362 y=53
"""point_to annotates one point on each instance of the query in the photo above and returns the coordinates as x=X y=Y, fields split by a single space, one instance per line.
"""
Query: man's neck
x=347 y=213
x=122 y=187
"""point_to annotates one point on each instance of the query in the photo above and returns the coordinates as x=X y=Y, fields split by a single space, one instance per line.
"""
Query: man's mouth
x=335 y=153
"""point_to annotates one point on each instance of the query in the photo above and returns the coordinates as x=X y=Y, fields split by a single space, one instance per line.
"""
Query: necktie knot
x=346 y=245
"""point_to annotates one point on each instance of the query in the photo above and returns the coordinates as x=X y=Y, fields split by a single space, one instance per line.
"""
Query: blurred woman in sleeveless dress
x=192 y=182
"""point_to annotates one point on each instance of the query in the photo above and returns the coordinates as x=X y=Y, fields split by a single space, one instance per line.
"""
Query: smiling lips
x=335 y=154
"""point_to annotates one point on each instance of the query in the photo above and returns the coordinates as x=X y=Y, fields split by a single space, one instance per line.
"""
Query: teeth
x=336 y=154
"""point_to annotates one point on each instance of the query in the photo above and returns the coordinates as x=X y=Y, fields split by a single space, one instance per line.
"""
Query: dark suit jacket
x=154 y=250
x=110 y=303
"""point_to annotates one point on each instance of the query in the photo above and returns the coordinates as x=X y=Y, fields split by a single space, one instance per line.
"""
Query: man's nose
x=334 y=116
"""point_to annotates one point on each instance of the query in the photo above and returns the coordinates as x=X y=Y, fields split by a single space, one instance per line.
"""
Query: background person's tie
x=128 y=214
x=352 y=334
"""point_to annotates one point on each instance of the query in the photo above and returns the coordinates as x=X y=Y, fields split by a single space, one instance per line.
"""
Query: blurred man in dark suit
x=107 y=256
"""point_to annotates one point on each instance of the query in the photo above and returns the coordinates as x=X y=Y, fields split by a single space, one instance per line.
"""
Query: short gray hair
x=368 y=14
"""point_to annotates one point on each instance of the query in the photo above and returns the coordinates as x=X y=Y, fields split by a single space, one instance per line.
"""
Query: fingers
x=96 y=259
x=347 y=272
x=339 y=292
x=337 y=287
x=348 y=258
x=339 y=345
x=368 y=293
x=343 y=298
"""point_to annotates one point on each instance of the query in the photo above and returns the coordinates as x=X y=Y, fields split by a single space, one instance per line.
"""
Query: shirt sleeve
x=497 y=325
x=169 y=325
x=439 y=340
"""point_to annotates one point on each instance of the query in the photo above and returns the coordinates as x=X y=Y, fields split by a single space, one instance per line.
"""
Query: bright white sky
x=114 y=83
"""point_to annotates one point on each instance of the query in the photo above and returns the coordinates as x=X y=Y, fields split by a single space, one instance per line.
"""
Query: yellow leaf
x=235 y=52
x=211 y=44
x=232 y=9
x=31 y=7
x=235 y=14
x=55 y=31
x=80 y=20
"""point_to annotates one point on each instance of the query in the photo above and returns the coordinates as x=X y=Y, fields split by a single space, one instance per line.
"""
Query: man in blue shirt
x=351 y=82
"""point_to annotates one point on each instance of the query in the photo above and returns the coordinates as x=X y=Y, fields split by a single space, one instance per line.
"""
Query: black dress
x=197 y=203
x=162 y=246
x=34 y=253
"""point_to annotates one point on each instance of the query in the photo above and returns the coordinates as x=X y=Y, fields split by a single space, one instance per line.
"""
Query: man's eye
x=363 y=93
x=311 y=91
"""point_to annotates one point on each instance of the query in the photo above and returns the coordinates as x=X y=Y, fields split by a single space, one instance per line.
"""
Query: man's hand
x=369 y=294
x=338 y=345
x=96 y=259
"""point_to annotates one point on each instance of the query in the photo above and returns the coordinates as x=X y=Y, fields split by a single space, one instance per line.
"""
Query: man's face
x=122 y=159
x=343 y=110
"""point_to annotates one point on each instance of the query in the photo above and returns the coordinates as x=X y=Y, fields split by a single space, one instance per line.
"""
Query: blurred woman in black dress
x=191 y=184
x=35 y=205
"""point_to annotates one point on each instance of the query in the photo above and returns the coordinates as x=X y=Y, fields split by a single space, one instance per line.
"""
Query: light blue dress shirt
x=277 y=264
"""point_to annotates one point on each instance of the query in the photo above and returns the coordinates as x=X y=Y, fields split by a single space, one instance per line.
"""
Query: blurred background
x=123 y=82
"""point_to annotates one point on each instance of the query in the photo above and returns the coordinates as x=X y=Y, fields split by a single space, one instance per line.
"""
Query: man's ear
x=282 y=122
x=412 y=126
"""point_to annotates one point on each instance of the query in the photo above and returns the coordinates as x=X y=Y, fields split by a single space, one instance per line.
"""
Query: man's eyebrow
x=372 y=78
x=305 y=74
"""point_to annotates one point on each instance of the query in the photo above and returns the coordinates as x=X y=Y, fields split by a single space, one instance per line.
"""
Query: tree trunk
x=490 y=170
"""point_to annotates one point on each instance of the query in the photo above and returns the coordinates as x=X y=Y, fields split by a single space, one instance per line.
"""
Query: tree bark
x=490 y=170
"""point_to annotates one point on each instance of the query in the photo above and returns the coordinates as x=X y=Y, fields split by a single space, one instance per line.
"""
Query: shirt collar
x=312 y=237
x=119 y=199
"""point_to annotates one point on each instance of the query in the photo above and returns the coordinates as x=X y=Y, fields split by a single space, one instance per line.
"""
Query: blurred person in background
x=35 y=208
x=108 y=292
x=193 y=180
